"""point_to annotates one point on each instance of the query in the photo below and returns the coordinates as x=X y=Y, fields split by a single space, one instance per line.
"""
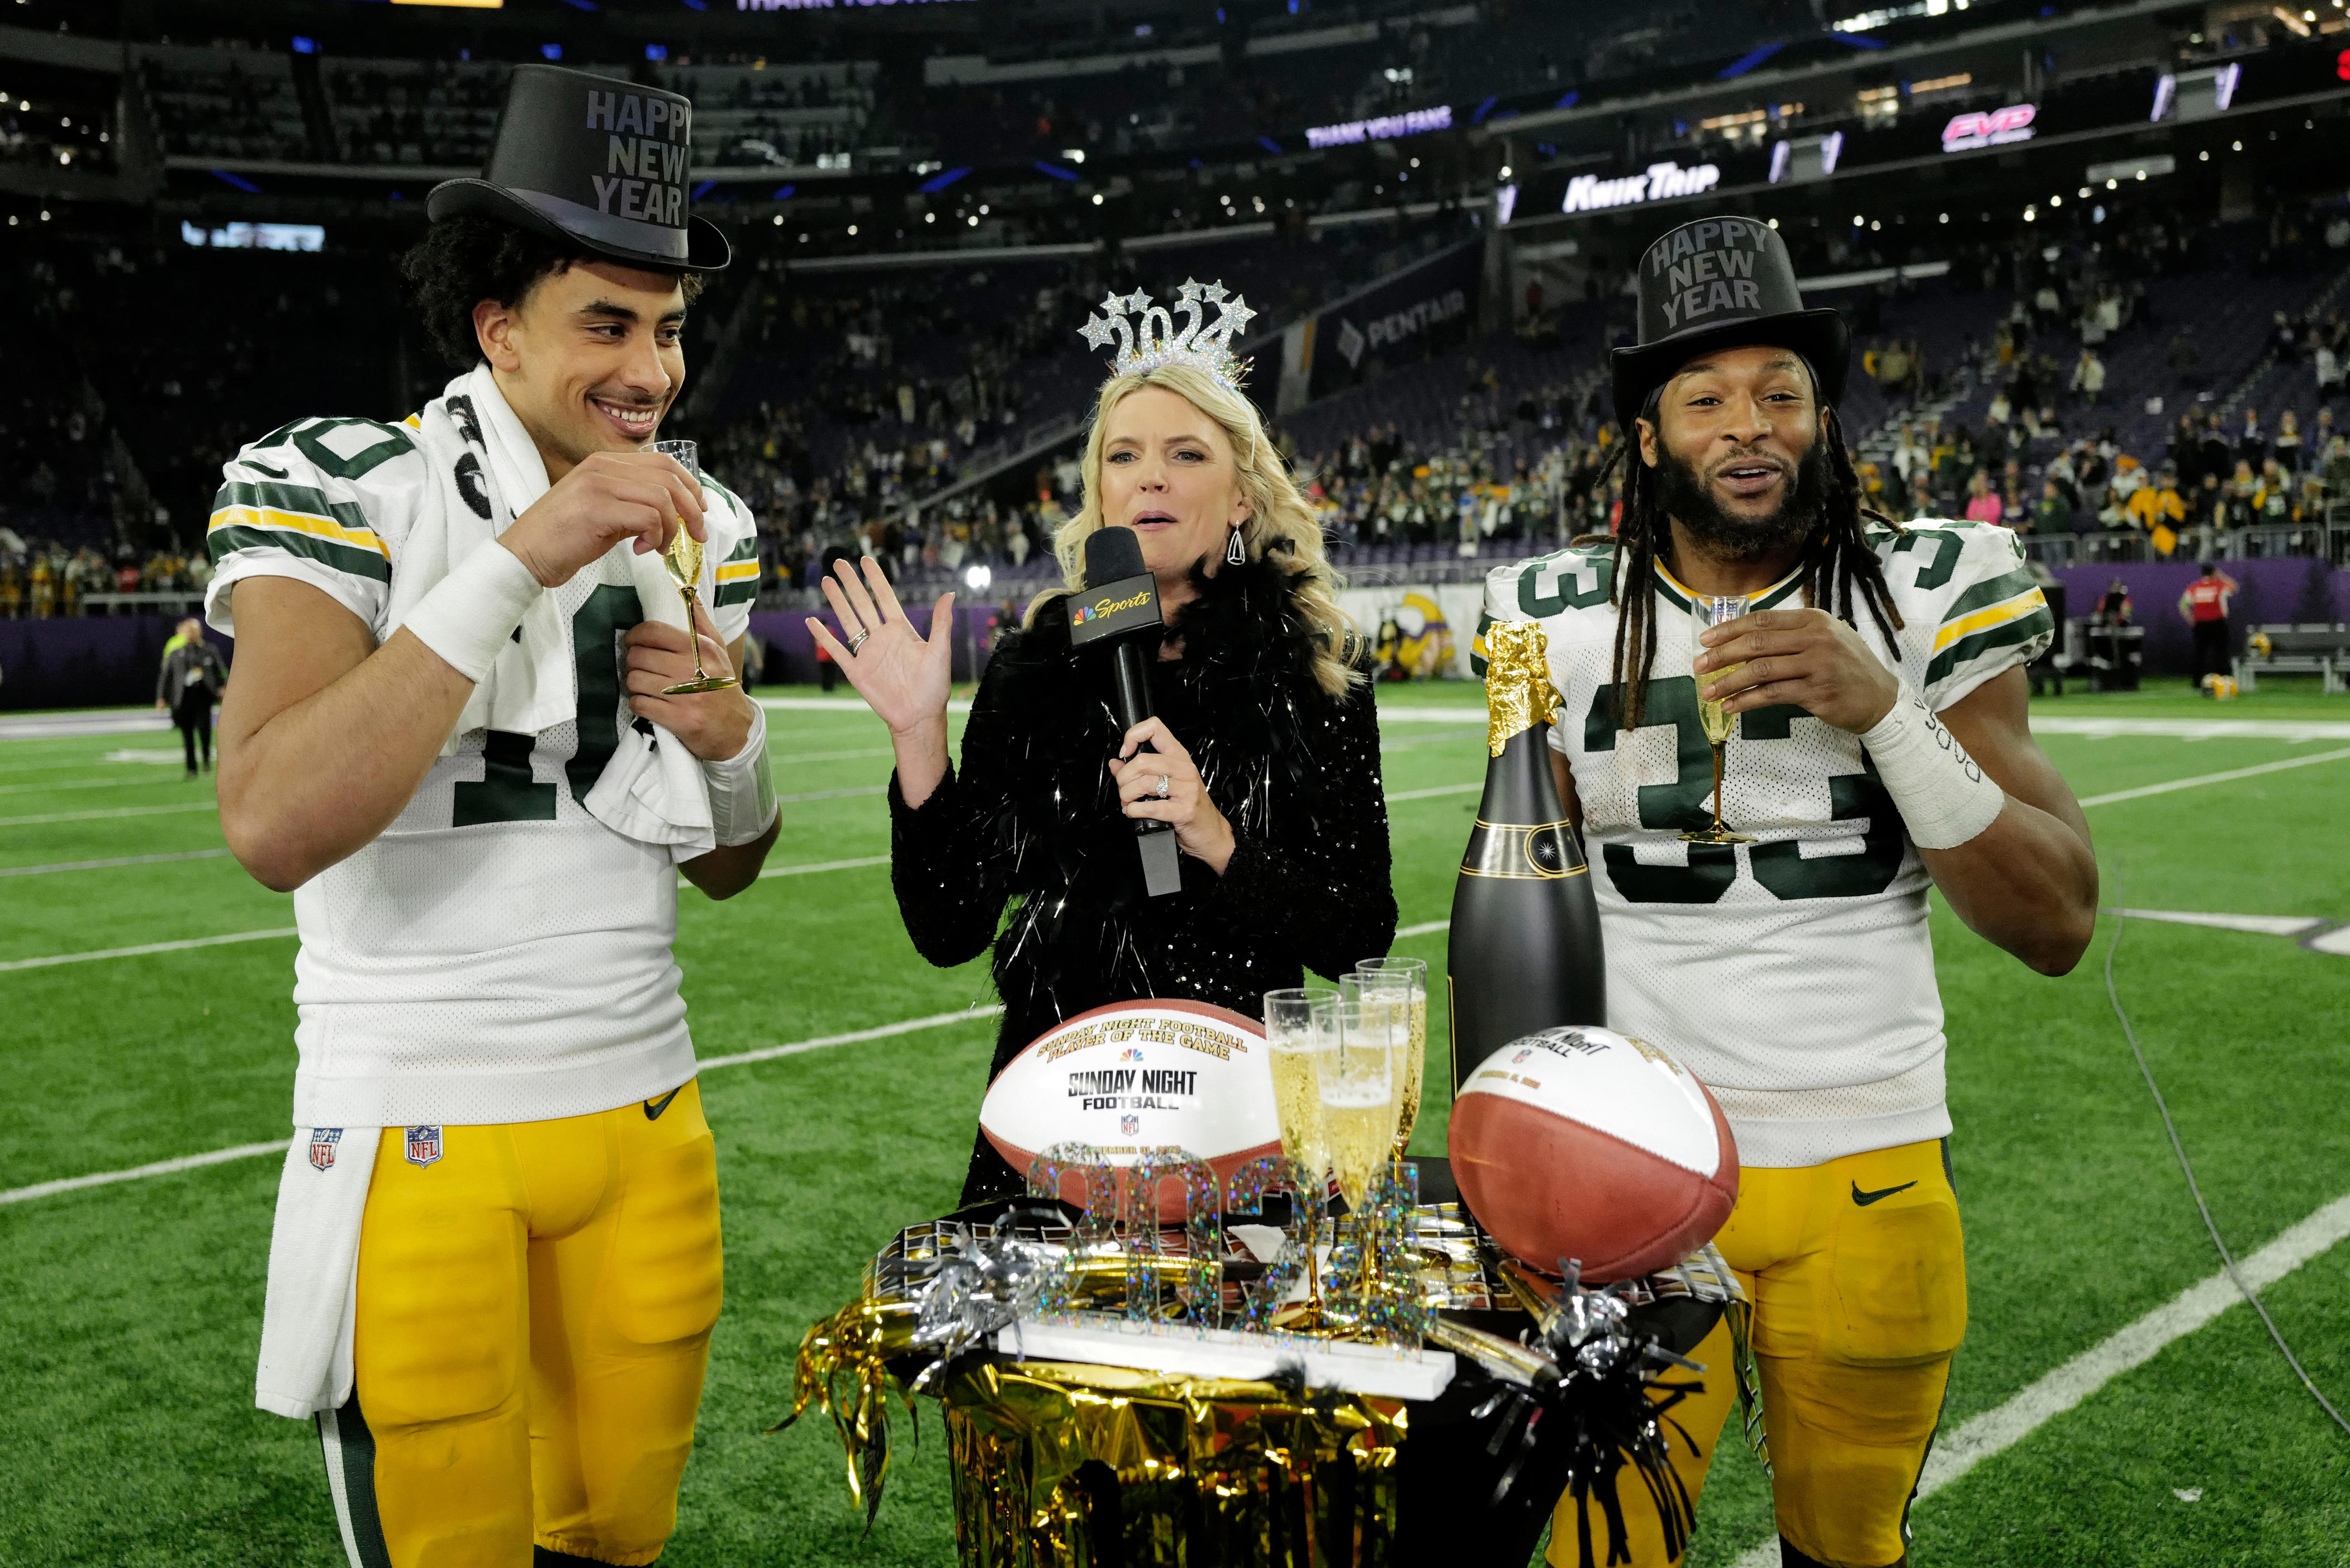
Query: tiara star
x=1148 y=337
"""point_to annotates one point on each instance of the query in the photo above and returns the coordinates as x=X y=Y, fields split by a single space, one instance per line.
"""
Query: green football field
x=129 y=1311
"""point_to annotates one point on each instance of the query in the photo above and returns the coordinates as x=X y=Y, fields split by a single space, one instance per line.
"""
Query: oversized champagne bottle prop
x=1524 y=950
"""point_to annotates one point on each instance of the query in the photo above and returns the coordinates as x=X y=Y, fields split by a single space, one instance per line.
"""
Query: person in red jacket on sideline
x=2205 y=605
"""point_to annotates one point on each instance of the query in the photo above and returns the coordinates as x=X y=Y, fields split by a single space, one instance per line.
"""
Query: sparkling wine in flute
x=1357 y=1122
x=682 y=559
x=1707 y=612
x=1524 y=952
x=1404 y=982
x=1297 y=1052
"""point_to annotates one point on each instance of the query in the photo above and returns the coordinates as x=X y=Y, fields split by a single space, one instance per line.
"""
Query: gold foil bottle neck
x=1518 y=691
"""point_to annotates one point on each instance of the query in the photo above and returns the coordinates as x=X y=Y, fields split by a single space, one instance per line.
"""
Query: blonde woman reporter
x=1265 y=753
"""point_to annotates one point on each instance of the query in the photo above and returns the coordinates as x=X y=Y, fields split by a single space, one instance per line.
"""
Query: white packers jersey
x=1792 y=975
x=496 y=954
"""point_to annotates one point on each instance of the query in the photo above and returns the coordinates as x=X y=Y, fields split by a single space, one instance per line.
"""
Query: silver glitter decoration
x=1150 y=338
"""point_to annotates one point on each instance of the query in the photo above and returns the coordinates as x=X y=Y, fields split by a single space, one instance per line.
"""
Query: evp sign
x=1989 y=127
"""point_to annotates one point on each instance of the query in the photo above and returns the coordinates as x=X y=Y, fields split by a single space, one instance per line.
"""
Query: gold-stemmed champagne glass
x=1357 y=1086
x=683 y=560
x=1708 y=611
x=1402 y=982
x=1297 y=1054
x=1298 y=1048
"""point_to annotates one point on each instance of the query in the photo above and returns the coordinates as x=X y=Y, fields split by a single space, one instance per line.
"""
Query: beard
x=1688 y=499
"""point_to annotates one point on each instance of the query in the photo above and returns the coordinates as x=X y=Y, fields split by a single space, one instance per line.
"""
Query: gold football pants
x=1859 y=1277
x=534 y=1319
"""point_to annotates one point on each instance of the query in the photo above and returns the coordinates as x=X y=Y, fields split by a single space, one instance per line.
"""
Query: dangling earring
x=1236 y=554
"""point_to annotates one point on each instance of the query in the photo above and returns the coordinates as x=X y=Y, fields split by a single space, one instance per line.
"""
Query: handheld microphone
x=1120 y=602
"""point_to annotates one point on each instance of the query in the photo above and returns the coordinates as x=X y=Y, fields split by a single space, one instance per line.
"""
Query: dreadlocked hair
x=1837 y=566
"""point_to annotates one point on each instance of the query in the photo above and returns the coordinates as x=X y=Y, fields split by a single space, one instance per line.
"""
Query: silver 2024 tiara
x=1149 y=338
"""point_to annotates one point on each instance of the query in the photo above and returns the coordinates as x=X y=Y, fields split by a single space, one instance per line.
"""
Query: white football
x=1580 y=1143
x=1136 y=1076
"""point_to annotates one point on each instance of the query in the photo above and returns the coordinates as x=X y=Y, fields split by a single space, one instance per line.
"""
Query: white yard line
x=161 y=1167
x=116 y=860
x=2201 y=779
x=739 y=1058
x=834 y=793
x=49 y=817
x=838 y=704
x=2260 y=925
x=879 y=1031
x=1996 y=1430
x=63 y=785
x=1435 y=716
x=824 y=866
x=1439 y=790
x=64 y=726
x=831 y=757
x=146 y=948
x=2193 y=729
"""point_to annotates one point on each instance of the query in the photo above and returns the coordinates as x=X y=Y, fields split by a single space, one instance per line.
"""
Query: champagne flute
x=1708 y=611
x=1402 y=982
x=1357 y=1091
x=1297 y=1054
x=683 y=560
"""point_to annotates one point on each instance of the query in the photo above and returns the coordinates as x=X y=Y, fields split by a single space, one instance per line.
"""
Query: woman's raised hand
x=903 y=674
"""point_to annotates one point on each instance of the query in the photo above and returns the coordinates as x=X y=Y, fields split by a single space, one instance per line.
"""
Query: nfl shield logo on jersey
x=322 y=1147
x=423 y=1144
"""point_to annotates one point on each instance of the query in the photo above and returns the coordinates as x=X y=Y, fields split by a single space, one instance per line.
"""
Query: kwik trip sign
x=1989 y=128
x=1661 y=182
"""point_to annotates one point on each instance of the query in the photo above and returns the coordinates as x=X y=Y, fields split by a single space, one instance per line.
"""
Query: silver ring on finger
x=1163 y=784
x=857 y=643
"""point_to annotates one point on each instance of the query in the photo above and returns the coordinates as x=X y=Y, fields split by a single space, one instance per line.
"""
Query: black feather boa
x=1242 y=698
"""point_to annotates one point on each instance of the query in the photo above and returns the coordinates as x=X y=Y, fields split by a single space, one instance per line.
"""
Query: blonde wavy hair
x=1278 y=515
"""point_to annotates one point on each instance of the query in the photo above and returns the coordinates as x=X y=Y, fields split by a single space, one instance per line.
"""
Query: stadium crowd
x=2084 y=398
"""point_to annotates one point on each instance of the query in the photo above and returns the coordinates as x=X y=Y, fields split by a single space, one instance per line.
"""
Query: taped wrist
x=1944 y=796
x=469 y=615
x=742 y=789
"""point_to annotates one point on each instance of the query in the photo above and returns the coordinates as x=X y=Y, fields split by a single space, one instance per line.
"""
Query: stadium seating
x=437 y=112
x=225 y=103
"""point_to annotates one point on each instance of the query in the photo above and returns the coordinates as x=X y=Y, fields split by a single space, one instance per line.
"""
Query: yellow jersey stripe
x=296 y=523
x=738 y=571
x=1689 y=592
x=2023 y=604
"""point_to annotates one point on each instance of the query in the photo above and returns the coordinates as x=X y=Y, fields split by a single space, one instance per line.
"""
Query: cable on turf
x=2227 y=1259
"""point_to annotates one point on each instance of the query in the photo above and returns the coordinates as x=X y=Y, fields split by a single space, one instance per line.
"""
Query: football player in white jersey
x=495 y=1263
x=1876 y=676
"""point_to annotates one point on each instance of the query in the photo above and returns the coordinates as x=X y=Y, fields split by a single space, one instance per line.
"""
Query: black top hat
x=599 y=162
x=1722 y=283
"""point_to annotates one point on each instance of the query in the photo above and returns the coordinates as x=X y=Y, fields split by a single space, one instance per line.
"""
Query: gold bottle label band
x=1518 y=690
x=1545 y=852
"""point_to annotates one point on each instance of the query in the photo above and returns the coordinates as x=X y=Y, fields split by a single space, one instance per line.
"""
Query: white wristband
x=469 y=615
x=742 y=789
x=1944 y=796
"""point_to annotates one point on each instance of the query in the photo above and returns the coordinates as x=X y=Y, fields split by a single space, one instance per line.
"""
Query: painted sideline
x=253 y=1150
x=146 y=948
x=2144 y=790
x=1440 y=790
x=1996 y=1430
x=116 y=860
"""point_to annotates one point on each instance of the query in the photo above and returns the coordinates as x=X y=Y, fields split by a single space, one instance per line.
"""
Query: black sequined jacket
x=1032 y=817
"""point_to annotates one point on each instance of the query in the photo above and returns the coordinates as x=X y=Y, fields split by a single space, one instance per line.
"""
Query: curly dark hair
x=465 y=259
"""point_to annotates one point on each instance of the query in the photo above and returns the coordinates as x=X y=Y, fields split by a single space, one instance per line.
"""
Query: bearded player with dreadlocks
x=1882 y=746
